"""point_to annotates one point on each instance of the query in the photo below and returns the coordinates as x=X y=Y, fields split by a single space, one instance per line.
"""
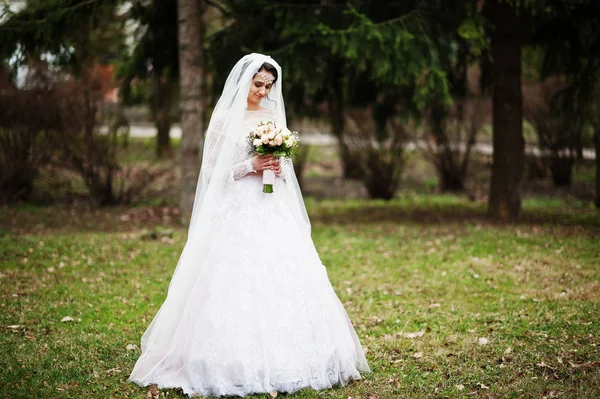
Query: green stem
x=267 y=188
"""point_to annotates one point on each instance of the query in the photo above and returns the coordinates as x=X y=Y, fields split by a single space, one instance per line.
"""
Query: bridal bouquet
x=267 y=139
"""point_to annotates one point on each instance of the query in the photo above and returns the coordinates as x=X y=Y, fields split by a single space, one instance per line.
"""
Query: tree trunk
x=507 y=103
x=450 y=177
x=191 y=67
x=536 y=168
x=561 y=168
x=597 y=145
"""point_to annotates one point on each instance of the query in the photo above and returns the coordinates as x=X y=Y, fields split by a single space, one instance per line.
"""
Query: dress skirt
x=259 y=316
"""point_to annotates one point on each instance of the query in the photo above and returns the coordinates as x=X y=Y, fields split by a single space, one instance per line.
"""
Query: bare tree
x=558 y=125
x=452 y=137
x=378 y=150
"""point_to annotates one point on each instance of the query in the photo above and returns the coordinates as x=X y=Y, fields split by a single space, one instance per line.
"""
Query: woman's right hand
x=262 y=162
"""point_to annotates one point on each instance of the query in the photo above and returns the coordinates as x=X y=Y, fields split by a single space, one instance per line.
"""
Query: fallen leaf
x=483 y=386
x=483 y=341
x=508 y=351
x=418 y=355
x=412 y=335
x=434 y=305
x=460 y=387
x=115 y=370
x=152 y=392
x=273 y=394
x=67 y=319
x=131 y=347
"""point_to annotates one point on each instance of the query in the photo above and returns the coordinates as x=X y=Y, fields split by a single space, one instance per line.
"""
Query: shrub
x=451 y=137
x=28 y=121
x=64 y=123
x=559 y=131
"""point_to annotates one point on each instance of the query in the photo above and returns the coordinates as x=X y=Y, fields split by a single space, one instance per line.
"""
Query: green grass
x=429 y=264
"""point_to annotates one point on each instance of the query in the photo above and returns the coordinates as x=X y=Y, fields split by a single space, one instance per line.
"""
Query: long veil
x=223 y=133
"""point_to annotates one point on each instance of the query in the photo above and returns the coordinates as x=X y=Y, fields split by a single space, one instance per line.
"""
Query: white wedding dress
x=264 y=316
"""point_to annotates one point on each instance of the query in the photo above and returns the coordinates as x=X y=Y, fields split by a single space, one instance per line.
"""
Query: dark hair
x=269 y=68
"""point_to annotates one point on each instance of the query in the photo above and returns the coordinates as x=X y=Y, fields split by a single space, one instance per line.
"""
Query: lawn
x=447 y=304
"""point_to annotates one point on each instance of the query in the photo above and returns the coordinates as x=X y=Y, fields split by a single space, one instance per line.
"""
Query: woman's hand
x=276 y=166
x=262 y=162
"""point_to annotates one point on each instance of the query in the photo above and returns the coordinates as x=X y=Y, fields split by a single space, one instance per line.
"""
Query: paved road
x=150 y=131
x=326 y=139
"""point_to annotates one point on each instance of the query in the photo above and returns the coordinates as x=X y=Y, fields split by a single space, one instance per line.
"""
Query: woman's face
x=260 y=87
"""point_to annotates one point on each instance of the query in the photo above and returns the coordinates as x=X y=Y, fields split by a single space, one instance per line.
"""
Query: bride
x=250 y=308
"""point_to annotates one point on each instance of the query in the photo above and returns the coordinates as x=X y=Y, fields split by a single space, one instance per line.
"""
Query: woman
x=250 y=308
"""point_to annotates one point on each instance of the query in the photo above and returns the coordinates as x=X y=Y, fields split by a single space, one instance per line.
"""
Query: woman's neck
x=253 y=107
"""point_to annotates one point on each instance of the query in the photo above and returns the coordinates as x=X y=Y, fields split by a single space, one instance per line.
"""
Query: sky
x=15 y=5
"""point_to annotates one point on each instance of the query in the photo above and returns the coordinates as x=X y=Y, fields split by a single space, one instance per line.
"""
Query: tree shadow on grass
x=459 y=213
x=57 y=219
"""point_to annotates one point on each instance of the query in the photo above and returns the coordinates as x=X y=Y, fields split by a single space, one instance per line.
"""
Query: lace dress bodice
x=241 y=156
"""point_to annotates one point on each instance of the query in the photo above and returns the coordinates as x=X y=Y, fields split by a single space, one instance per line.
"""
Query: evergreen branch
x=294 y=5
x=219 y=7
x=398 y=20
x=285 y=47
x=63 y=10
x=85 y=3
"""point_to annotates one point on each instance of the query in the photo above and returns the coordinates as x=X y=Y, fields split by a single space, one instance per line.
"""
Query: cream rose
x=278 y=139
